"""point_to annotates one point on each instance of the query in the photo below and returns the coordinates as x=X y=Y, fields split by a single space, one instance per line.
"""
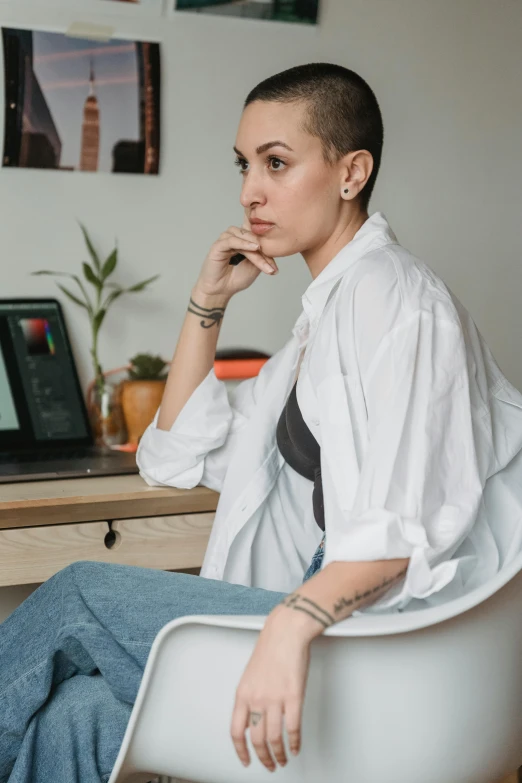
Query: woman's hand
x=272 y=690
x=219 y=278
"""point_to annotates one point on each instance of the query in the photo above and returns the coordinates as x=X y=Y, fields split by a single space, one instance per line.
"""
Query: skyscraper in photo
x=90 y=149
x=31 y=137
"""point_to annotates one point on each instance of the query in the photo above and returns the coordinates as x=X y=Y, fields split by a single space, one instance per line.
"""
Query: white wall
x=447 y=76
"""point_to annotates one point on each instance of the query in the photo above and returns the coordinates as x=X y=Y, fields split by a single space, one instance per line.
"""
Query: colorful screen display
x=38 y=336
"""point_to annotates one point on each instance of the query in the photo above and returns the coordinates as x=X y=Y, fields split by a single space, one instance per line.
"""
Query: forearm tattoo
x=302 y=604
x=346 y=603
x=214 y=314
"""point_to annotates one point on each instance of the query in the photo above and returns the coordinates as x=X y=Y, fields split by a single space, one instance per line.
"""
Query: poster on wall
x=155 y=6
x=128 y=7
x=151 y=3
x=297 y=11
x=81 y=105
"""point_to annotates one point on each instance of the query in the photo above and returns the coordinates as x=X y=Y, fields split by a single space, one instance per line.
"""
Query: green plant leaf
x=72 y=296
x=92 y=252
x=98 y=320
x=111 y=298
x=110 y=264
x=90 y=276
x=82 y=289
x=141 y=286
x=88 y=304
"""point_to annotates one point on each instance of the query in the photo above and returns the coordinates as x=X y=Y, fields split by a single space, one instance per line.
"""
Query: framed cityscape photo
x=75 y=104
x=128 y=7
x=296 y=11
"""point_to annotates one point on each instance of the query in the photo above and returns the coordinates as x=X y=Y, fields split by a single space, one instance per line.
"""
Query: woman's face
x=285 y=180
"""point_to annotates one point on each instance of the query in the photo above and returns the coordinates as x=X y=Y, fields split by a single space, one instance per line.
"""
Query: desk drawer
x=33 y=554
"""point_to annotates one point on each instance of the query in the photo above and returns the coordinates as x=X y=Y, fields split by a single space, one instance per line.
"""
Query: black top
x=301 y=450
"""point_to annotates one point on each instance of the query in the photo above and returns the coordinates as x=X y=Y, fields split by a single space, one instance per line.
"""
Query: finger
x=293 y=708
x=274 y=733
x=247 y=227
x=267 y=259
x=233 y=235
x=258 y=259
x=238 y=727
x=226 y=245
x=233 y=242
x=258 y=737
x=243 y=233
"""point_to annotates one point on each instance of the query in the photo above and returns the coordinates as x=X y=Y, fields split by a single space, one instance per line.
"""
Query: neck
x=318 y=258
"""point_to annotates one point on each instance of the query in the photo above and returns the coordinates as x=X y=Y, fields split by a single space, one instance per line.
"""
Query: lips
x=261 y=228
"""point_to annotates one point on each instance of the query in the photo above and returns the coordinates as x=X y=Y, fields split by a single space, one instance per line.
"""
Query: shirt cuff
x=384 y=535
x=176 y=456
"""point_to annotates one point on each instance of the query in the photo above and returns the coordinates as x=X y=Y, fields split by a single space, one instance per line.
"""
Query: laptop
x=44 y=426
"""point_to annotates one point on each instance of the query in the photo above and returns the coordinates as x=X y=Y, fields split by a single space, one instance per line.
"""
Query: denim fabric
x=317 y=560
x=72 y=657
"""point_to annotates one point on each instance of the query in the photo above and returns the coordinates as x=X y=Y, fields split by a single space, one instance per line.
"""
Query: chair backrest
x=437 y=702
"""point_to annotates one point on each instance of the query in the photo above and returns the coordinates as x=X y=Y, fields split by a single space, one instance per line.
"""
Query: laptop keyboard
x=45 y=455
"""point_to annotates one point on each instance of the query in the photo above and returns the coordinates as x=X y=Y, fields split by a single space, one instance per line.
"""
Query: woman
x=382 y=435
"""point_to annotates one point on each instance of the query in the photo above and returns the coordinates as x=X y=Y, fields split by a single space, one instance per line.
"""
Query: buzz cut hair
x=341 y=110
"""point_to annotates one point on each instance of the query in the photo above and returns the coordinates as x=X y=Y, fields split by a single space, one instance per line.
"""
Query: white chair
x=428 y=696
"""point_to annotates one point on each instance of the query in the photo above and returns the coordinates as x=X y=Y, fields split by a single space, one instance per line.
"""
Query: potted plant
x=105 y=293
x=141 y=393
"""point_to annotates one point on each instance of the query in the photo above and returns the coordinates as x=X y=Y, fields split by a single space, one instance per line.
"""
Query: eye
x=239 y=162
x=273 y=159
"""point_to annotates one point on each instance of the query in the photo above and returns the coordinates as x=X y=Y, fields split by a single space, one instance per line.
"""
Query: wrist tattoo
x=214 y=314
x=302 y=604
x=345 y=603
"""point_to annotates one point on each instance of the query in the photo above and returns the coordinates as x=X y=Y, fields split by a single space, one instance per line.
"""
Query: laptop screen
x=40 y=396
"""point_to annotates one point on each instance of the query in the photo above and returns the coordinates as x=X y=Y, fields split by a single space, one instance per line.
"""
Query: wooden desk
x=46 y=525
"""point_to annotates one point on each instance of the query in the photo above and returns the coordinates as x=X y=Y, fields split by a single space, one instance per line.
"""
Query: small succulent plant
x=145 y=367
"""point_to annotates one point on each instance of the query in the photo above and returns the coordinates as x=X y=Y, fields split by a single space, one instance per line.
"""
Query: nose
x=252 y=191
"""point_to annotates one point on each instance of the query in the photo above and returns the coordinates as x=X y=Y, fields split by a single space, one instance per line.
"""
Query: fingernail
x=269 y=268
x=254 y=244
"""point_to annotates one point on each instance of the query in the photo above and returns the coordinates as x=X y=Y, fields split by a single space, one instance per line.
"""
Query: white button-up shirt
x=420 y=436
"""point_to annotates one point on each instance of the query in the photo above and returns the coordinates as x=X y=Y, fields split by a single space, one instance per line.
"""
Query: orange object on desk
x=237 y=369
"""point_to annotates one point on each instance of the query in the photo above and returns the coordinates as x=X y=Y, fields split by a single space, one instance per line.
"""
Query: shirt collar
x=375 y=232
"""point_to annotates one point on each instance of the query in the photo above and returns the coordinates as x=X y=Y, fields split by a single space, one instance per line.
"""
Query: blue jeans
x=317 y=560
x=72 y=656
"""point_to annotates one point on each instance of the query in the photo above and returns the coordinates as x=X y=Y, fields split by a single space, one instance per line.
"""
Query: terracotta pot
x=140 y=401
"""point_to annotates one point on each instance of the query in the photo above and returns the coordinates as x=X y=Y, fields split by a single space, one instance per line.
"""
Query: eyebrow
x=265 y=147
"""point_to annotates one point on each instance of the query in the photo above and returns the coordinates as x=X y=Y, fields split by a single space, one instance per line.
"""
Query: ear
x=356 y=169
